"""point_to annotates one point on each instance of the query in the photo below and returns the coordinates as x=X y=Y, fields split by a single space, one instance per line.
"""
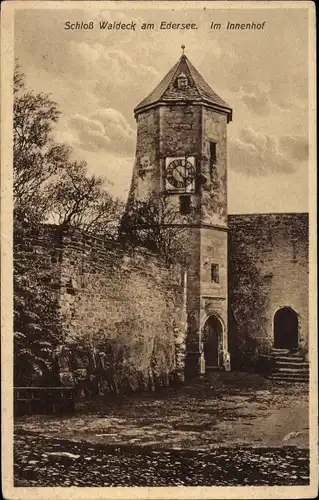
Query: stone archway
x=286 y=333
x=212 y=337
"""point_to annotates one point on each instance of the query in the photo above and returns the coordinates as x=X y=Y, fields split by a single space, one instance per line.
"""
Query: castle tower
x=182 y=151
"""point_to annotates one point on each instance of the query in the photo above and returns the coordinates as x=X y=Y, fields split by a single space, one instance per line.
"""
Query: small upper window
x=213 y=157
x=213 y=152
x=185 y=204
x=182 y=81
x=215 y=273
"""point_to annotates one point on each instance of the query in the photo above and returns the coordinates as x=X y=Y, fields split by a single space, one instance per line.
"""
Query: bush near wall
x=37 y=323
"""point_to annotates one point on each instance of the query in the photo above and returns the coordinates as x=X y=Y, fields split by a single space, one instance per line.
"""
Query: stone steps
x=285 y=369
x=291 y=362
x=290 y=367
x=292 y=359
x=293 y=378
x=280 y=351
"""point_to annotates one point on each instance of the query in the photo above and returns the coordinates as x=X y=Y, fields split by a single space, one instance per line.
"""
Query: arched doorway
x=212 y=336
x=286 y=328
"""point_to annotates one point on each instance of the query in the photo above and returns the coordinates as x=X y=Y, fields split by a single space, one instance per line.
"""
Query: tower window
x=213 y=156
x=215 y=273
x=182 y=81
x=185 y=204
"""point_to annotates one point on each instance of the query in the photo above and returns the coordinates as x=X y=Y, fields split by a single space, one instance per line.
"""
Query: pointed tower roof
x=196 y=90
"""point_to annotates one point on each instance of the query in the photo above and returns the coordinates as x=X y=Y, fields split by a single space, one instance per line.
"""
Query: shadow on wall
x=248 y=301
x=113 y=370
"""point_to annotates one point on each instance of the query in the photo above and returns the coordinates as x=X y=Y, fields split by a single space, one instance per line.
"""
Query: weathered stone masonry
x=268 y=270
x=131 y=301
x=138 y=305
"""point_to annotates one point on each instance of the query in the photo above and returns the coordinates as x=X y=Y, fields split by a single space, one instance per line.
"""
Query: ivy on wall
x=248 y=300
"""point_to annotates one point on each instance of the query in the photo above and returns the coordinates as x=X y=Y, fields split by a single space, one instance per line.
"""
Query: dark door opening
x=212 y=335
x=286 y=329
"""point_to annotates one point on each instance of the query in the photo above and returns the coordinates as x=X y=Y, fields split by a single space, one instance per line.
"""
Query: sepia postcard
x=158 y=224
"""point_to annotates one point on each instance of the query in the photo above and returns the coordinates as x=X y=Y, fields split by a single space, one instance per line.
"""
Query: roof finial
x=183 y=48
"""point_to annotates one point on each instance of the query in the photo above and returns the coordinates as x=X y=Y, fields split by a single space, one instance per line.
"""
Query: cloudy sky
x=98 y=77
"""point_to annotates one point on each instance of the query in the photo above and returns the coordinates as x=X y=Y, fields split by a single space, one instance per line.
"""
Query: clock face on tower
x=180 y=173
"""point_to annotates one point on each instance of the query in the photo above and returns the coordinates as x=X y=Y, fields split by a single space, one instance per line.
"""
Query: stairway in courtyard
x=290 y=366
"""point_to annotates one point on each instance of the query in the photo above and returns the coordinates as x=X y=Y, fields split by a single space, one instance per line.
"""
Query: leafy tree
x=47 y=187
x=47 y=183
x=36 y=157
x=80 y=200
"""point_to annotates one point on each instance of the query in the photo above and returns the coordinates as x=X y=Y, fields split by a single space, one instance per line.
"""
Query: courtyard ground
x=228 y=428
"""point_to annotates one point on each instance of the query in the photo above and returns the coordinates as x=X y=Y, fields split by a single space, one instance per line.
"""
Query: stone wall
x=128 y=316
x=214 y=190
x=180 y=130
x=146 y=175
x=268 y=269
x=124 y=311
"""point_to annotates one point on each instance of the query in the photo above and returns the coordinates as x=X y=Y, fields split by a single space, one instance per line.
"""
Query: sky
x=98 y=76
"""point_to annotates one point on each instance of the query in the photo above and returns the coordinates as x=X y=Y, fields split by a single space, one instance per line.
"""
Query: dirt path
x=225 y=410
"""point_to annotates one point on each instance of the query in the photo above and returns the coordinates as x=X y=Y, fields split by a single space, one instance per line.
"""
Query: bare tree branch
x=156 y=225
